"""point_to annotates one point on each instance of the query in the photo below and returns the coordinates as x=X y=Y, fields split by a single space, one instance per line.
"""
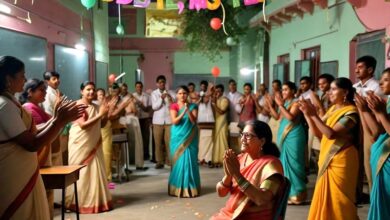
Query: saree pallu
x=380 y=166
x=184 y=179
x=22 y=191
x=106 y=133
x=335 y=190
x=85 y=148
x=292 y=143
x=256 y=172
x=221 y=131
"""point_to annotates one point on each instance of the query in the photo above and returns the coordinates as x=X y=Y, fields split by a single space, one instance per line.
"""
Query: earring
x=345 y=99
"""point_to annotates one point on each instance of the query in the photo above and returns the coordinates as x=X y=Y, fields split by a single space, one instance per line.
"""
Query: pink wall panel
x=158 y=56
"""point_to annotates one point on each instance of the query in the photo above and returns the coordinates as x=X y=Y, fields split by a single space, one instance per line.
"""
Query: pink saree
x=238 y=204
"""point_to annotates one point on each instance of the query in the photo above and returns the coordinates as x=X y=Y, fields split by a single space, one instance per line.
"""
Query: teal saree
x=380 y=166
x=184 y=179
x=291 y=140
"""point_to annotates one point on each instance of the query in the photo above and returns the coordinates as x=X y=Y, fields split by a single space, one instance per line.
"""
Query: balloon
x=111 y=78
x=230 y=41
x=180 y=5
x=120 y=30
x=215 y=23
x=252 y=2
x=215 y=71
x=88 y=3
x=123 y=2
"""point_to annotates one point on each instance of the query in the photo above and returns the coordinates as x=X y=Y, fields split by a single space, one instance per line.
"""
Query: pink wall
x=52 y=21
x=158 y=55
x=375 y=15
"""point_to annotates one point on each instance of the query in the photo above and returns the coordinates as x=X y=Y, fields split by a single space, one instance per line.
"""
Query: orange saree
x=239 y=206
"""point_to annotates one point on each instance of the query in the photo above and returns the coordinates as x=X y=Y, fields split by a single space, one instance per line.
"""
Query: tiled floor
x=145 y=197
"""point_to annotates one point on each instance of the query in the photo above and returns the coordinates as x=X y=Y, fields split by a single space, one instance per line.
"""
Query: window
x=302 y=68
x=281 y=70
x=330 y=67
x=313 y=54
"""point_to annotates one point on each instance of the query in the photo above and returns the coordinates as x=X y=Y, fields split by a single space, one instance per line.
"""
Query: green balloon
x=88 y=3
x=120 y=30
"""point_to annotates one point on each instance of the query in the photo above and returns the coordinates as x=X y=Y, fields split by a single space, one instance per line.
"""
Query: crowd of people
x=340 y=130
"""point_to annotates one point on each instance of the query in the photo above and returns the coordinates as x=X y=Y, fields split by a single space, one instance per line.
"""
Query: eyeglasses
x=247 y=135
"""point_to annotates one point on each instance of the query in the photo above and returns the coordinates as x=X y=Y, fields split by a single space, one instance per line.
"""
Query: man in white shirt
x=234 y=109
x=161 y=100
x=144 y=106
x=234 y=97
x=52 y=79
x=364 y=70
x=206 y=124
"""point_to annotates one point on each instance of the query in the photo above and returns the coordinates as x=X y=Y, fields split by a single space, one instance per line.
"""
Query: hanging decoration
x=252 y=2
x=236 y=3
x=123 y=2
x=213 y=6
x=160 y=4
x=180 y=6
x=88 y=3
x=119 y=28
x=141 y=4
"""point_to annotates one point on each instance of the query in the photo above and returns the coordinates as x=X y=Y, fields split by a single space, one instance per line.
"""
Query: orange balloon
x=111 y=78
x=215 y=23
x=215 y=71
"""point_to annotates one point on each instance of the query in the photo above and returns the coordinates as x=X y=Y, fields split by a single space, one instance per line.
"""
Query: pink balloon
x=180 y=5
x=111 y=78
x=123 y=2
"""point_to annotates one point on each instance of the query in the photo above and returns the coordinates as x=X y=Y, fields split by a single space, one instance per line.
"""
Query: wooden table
x=59 y=177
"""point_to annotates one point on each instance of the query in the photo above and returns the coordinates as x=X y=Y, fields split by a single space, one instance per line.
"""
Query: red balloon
x=215 y=23
x=215 y=71
x=111 y=78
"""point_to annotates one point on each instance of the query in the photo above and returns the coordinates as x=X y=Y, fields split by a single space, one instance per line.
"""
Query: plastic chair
x=281 y=202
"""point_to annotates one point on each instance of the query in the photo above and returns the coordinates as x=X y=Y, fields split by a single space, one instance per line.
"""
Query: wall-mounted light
x=5 y=9
x=80 y=45
x=246 y=71
x=37 y=59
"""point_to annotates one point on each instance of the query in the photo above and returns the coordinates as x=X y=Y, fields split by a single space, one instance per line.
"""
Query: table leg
x=77 y=201
x=63 y=204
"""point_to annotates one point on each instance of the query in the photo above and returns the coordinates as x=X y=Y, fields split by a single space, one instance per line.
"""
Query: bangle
x=241 y=180
x=221 y=182
x=244 y=186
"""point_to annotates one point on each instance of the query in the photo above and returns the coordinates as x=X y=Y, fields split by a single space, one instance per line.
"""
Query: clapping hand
x=361 y=103
x=375 y=103
x=68 y=111
x=279 y=100
x=307 y=108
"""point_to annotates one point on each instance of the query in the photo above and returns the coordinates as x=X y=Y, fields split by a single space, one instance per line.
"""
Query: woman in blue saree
x=184 y=180
x=379 y=128
x=291 y=139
